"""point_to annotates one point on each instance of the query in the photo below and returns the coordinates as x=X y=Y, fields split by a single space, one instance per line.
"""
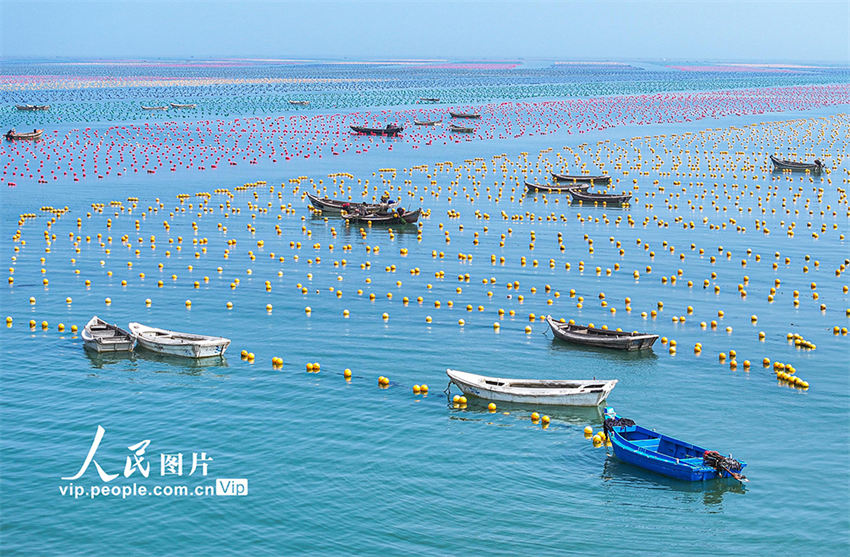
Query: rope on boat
x=610 y=423
x=448 y=391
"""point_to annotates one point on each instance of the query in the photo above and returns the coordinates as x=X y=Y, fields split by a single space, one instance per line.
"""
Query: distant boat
x=591 y=197
x=462 y=129
x=601 y=338
x=398 y=216
x=581 y=178
x=154 y=107
x=666 y=455
x=785 y=164
x=390 y=129
x=561 y=392
x=328 y=205
x=299 y=103
x=429 y=99
x=554 y=188
x=12 y=135
x=100 y=336
x=173 y=343
x=175 y=105
x=32 y=106
x=427 y=122
x=469 y=115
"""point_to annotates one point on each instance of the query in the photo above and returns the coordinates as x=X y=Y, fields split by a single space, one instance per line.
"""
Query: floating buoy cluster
x=800 y=342
x=786 y=373
x=207 y=145
x=695 y=247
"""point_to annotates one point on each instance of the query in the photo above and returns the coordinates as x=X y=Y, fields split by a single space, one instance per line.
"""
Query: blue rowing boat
x=665 y=455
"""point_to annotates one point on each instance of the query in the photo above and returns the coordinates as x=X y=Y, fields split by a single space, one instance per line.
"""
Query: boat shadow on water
x=476 y=410
x=177 y=364
x=610 y=354
x=137 y=358
x=100 y=360
x=617 y=472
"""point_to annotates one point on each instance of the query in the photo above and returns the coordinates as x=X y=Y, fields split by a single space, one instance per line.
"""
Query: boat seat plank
x=650 y=444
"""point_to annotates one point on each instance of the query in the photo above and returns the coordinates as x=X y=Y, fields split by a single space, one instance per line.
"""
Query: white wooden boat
x=561 y=392
x=172 y=343
x=175 y=105
x=299 y=103
x=100 y=336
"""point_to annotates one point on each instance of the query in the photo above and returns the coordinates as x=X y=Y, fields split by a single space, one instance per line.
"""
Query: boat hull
x=391 y=131
x=100 y=336
x=581 y=179
x=581 y=399
x=550 y=393
x=173 y=343
x=101 y=346
x=335 y=206
x=782 y=164
x=185 y=350
x=554 y=188
x=407 y=218
x=28 y=136
x=599 y=339
x=683 y=461
x=602 y=198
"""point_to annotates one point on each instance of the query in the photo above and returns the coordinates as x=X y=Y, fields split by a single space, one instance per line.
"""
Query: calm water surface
x=346 y=467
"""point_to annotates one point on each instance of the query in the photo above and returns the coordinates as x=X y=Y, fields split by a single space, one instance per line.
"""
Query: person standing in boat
x=384 y=205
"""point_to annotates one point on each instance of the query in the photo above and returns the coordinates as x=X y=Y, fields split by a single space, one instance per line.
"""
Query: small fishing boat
x=567 y=392
x=554 y=188
x=427 y=122
x=32 y=106
x=172 y=343
x=581 y=178
x=429 y=100
x=154 y=107
x=389 y=129
x=398 y=216
x=100 y=336
x=469 y=115
x=785 y=164
x=600 y=338
x=12 y=135
x=461 y=129
x=591 y=197
x=328 y=205
x=175 y=105
x=299 y=103
x=666 y=455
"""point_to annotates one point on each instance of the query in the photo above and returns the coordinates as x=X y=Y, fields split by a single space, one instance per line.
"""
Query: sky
x=704 y=30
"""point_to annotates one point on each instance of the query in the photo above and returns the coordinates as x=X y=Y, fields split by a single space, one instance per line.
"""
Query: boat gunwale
x=597 y=386
x=175 y=338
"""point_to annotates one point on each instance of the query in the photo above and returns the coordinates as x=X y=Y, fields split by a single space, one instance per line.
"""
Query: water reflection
x=476 y=408
x=99 y=360
x=618 y=473
x=196 y=365
x=135 y=360
x=558 y=345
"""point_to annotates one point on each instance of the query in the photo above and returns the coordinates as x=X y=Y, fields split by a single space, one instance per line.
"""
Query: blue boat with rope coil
x=665 y=455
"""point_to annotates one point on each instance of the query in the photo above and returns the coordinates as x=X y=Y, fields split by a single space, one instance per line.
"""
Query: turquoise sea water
x=347 y=467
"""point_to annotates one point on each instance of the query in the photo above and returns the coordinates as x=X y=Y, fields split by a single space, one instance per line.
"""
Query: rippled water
x=347 y=467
